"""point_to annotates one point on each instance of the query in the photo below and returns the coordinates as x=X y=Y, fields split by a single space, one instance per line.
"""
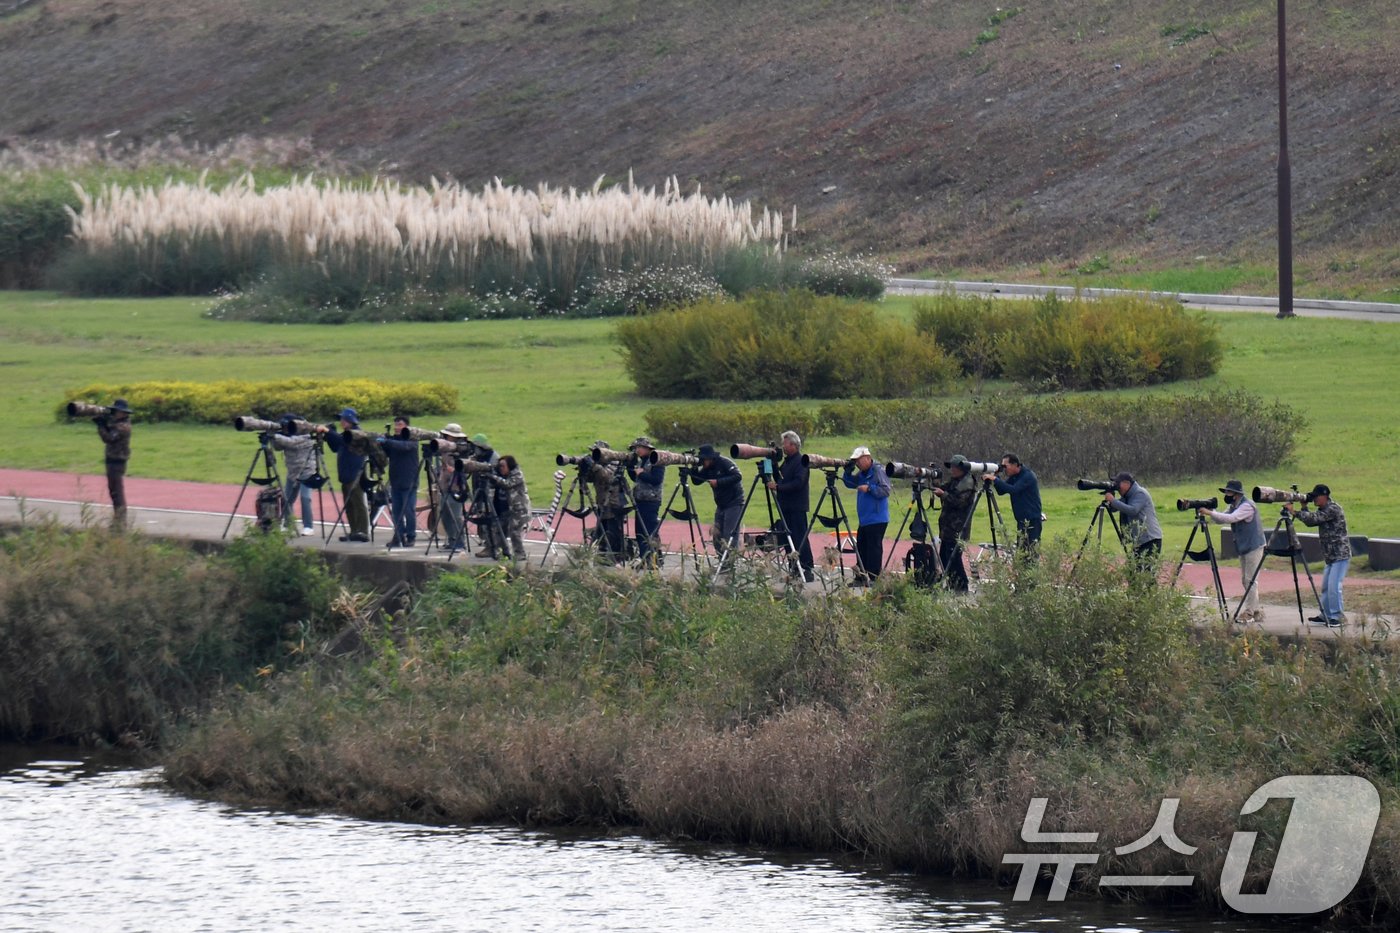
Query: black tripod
x=919 y=512
x=834 y=521
x=985 y=493
x=1291 y=548
x=687 y=515
x=766 y=472
x=1202 y=528
x=488 y=521
x=439 y=498
x=270 y=477
x=322 y=478
x=1096 y=522
x=580 y=486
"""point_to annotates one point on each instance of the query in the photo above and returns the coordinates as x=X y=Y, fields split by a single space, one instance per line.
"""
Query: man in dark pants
x=791 y=483
x=647 y=480
x=403 y=482
x=349 y=468
x=115 y=430
x=727 y=484
x=1024 y=489
x=610 y=497
x=872 y=488
x=958 y=497
x=1139 y=517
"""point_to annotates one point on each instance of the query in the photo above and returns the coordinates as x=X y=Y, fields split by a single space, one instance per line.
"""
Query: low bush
x=721 y=424
x=838 y=274
x=1075 y=343
x=779 y=345
x=111 y=636
x=860 y=416
x=220 y=402
x=644 y=290
x=1063 y=437
x=280 y=299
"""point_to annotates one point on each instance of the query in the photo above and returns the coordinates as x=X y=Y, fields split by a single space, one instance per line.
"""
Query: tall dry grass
x=387 y=235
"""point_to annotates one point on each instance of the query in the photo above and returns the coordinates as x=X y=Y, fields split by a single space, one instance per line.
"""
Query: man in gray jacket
x=299 y=451
x=1139 y=516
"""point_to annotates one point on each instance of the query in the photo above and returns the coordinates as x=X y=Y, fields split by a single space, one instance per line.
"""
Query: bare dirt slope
x=925 y=130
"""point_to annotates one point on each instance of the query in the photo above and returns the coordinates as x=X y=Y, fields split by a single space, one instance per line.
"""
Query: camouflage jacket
x=1331 y=525
x=957 y=506
x=300 y=454
x=116 y=434
x=609 y=489
x=514 y=484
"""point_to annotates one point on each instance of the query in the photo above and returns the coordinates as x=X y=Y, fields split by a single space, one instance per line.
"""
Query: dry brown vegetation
x=917 y=129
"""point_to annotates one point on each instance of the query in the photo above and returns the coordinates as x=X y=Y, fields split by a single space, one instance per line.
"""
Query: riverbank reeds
x=913 y=726
x=115 y=638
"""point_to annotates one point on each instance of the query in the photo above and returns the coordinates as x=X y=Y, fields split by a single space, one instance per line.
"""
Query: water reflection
x=94 y=844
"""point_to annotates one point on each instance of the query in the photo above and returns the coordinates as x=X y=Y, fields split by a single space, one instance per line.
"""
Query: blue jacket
x=348 y=465
x=872 y=507
x=403 y=462
x=1024 y=490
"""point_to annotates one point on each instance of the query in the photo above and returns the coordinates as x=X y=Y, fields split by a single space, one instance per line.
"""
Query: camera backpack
x=269 y=508
x=922 y=564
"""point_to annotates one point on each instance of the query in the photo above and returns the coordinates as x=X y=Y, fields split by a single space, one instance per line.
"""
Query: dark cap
x=960 y=462
x=642 y=441
x=1234 y=486
x=1123 y=477
x=707 y=452
x=1320 y=490
x=121 y=405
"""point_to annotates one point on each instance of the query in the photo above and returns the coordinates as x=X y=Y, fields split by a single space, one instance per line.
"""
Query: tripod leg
x=558 y=521
x=247 y=478
x=1186 y=551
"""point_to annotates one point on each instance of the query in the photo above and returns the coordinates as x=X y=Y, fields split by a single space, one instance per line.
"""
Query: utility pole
x=1285 y=179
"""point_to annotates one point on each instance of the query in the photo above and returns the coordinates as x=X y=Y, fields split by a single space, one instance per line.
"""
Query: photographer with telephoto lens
x=114 y=427
x=647 y=478
x=452 y=490
x=872 y=488
x=512 y=501
x=1248 y=530
x=299 y=454
x=1331 y=524
x=610 y=499
x=727 y=485
x=489 y=531
x=403 y=482
x=1023 y=488
x=791 y=483
x=1139 y=520
x=349 y=469
x=958 y=495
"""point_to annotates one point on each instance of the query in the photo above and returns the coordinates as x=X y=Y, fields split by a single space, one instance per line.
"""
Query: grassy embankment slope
x=957 y=136
x=540 y=387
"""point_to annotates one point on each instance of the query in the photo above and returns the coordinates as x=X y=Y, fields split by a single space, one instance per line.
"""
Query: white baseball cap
x=861 y=452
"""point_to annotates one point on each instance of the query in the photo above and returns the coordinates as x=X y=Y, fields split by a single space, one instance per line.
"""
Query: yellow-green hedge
x=318 y=399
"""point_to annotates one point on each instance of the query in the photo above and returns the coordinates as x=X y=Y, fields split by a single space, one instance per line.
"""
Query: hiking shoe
x=307 y=532
x=359 y=538
x=1317 y=620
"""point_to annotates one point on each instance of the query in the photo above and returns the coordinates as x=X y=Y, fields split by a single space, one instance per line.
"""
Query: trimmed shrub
x=779 y=345
x=859 y=416
x=1075 y=343
x=278 y=299
x=220 y=402
x=719 y=424
x=1064 y=437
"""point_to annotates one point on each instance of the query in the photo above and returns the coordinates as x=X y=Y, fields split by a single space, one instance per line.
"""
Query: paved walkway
x=200 y=511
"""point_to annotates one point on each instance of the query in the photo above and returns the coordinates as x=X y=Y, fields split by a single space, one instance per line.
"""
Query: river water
x=87 y=844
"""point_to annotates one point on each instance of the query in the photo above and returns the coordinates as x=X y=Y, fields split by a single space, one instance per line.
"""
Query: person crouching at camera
x=727 y=485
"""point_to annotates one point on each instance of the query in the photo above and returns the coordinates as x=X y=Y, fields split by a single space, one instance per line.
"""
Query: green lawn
x=540 y=387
